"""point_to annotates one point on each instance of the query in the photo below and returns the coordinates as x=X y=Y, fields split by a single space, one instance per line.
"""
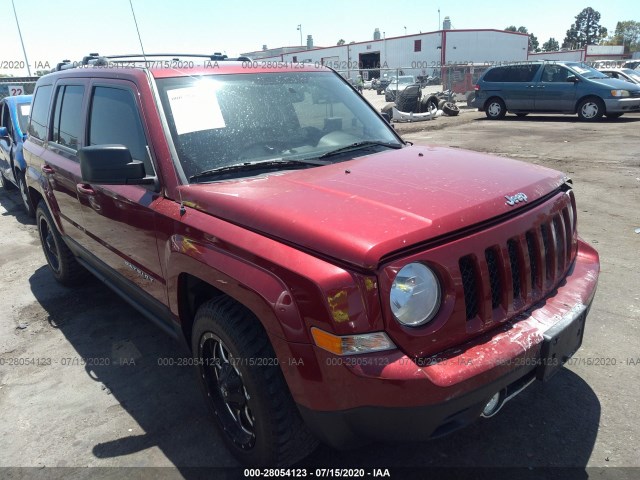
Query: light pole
x=26 y=61
x=300 y=30
x=439 y=24
x=405 y=31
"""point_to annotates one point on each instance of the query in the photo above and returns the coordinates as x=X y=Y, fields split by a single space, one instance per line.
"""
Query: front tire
x=62 y=262
x=495 y=109
x=245 y=388
x=590 y=109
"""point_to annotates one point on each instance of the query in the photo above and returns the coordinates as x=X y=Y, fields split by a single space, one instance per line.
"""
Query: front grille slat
x=491 y=256
x=469 y=274
x=514 y=263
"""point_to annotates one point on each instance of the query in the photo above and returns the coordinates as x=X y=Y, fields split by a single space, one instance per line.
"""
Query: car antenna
x=138 y=31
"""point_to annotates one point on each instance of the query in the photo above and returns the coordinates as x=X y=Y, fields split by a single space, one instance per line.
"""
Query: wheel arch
x=261 y=292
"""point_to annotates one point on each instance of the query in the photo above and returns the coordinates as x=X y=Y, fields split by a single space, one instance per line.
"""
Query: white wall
x=568 y=56
x=462 y=46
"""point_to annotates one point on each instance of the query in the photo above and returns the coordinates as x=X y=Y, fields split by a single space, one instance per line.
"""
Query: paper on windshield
x=25 y=110
x=195 y=109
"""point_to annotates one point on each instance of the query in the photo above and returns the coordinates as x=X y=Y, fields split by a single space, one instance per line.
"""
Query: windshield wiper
x=360 y=146
x=248 y=166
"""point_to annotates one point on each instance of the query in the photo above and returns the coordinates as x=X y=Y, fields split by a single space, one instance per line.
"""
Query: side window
x=40 y=112
x=114 y=119
x=66 y=125
x=497 y=74
x=555 y=74
x=6 y=118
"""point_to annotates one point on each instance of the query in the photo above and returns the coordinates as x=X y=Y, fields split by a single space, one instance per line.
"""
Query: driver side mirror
x=111 y=165
x=4 y=132
x=572 y=79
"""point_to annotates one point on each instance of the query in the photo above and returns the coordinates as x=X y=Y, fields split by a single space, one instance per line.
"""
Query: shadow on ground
x=553 y=424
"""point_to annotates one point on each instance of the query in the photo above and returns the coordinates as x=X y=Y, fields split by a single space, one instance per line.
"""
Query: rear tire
x=495 y=109
x=590 y=109
x=254 y=411
x=62 y=262
x=24 y=193
x=6 y=184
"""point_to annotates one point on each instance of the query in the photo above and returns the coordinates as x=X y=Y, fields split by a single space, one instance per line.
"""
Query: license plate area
x=560 y=343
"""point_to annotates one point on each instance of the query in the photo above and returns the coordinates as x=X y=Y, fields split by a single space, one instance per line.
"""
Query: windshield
x=406 y=80
x=24 y=109
x=633 y=74
x=219 y=121
x=587 y=71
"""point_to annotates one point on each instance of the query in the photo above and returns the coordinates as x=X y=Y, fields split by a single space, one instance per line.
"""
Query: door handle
x=85 y=189
x=47 y=170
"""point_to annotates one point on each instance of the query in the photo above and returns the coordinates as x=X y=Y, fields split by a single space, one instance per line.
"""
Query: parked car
x=13 y=124
x=398 y=85
x=626 y=74
x=383 y=83
x=330 y=280
x=554 y=87
x=632 y=64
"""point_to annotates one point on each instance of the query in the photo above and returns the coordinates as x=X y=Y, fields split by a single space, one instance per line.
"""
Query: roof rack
x=95 y=59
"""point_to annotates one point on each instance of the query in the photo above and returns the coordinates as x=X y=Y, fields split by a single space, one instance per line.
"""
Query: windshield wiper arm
x=247 y=166
x=360 y=146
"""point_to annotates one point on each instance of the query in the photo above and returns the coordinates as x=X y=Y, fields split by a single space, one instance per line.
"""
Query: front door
x=119 y=220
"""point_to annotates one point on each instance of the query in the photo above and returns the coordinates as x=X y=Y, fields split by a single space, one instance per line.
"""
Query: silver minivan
x=554 y=87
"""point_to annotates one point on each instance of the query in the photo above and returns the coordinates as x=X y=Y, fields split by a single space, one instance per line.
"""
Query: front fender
x=260 y=291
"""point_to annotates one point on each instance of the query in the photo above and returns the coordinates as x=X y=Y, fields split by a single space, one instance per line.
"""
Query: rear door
x=62 y=129
x=554 y=93
x=514 y=83
x=119 y=220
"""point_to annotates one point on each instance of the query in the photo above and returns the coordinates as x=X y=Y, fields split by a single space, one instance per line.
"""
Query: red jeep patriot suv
x=332 y=281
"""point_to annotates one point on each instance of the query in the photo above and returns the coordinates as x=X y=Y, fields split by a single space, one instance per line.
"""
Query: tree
x=627 y=33
x=534 y=45
x=586 y=30
x=551 y=45
x=341 y=42
x=533 y=40
x=512 y=28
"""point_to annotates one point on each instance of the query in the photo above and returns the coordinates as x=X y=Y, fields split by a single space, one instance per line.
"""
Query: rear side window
x=67 y=119
x=514 y=73
x=40 y=112
x=114 y=119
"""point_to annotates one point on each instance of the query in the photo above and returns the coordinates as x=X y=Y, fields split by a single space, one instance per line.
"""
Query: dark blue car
x=14 y=121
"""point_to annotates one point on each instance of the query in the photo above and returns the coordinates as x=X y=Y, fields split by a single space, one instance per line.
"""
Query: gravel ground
x=63 y=405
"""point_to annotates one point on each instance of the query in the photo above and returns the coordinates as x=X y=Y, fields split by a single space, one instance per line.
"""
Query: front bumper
x=622 y=105
x=388 y=396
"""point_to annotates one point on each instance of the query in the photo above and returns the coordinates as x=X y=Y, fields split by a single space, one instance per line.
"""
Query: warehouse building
x=419 y=54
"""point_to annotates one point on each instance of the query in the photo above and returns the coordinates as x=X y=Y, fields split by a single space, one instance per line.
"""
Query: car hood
x=615 y=83
x=361 y=210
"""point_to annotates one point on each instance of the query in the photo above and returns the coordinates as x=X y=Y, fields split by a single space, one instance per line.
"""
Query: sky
x=69 y=29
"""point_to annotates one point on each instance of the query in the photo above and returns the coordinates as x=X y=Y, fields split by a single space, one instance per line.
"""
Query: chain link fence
x=458 y=80
x=11 y=86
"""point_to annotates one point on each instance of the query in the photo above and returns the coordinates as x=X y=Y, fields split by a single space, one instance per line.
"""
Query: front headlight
x=620 y=93
x=415 y=295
